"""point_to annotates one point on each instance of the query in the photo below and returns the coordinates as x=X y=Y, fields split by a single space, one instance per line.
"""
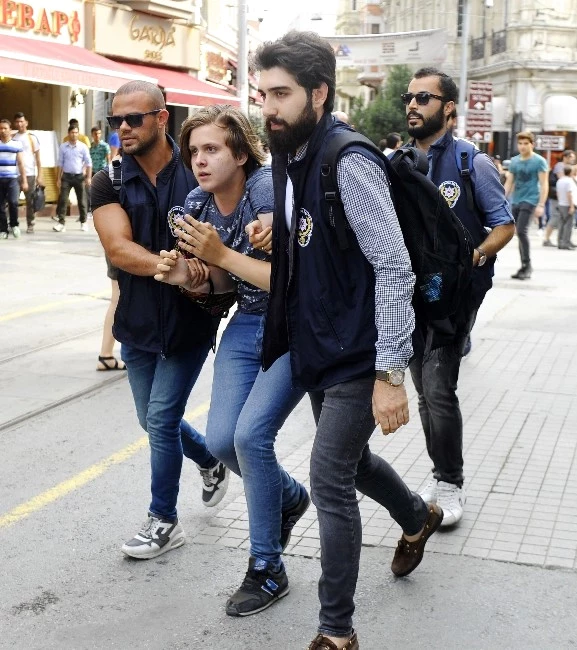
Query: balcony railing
x=477 y=48
x=499 y=42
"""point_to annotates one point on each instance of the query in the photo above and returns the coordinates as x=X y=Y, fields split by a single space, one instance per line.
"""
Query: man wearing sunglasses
x=430 y=108
x=165 y=336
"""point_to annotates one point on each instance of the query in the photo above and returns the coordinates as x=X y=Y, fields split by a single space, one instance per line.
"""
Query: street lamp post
x=242 y=58
x=461 y=116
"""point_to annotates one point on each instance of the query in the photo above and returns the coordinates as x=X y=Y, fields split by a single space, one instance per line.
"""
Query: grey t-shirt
x=258 y=199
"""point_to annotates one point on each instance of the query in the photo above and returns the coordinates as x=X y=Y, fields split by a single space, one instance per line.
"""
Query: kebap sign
x=428 y=46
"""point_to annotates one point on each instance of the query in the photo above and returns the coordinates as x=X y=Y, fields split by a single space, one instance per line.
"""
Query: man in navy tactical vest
x=430 y=103
x=165 y=337
x=345 y=316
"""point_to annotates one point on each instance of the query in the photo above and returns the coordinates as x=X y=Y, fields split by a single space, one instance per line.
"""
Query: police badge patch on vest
x=305 y=228
x=176 y=212
x=450 y=191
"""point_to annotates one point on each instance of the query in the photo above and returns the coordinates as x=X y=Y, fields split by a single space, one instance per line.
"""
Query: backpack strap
x=465 y=168
x=329 y=182
x=115 y=174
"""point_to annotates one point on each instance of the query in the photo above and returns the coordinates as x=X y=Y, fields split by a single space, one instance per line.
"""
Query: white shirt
x=30 y=146
x=564 y=186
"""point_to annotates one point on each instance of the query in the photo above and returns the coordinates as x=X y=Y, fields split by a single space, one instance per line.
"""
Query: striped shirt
x=369 y=209
x=8 y=158
x=73 y=158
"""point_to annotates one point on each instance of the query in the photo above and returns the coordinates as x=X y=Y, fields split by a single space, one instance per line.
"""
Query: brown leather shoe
x=408 y=555
x=321 y=642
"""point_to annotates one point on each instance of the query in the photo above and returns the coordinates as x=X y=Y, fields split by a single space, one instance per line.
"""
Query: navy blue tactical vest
x=153 y=316
x=322 y=303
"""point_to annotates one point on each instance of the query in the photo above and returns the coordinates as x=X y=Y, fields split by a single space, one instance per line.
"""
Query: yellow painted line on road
x=52 y=305
x=66 y=487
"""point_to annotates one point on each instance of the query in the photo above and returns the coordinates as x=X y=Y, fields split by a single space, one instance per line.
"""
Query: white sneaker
x=84 y=227
x=452 y=500
x=16 y=232
x=59 y=227
x=215 y=483
x=429 y=492
x=157 y=536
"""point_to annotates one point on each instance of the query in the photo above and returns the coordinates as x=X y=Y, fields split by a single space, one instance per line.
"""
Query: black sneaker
x=524 y=273
x=215 y=483
x=157 y=536
x=260 y=589
x=291 y=516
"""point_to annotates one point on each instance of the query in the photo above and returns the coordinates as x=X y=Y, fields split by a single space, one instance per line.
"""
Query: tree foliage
x=386 y=113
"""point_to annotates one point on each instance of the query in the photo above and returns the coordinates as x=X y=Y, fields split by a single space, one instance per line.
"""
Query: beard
x=430 y=125
x=292 y=136
x=141 y=147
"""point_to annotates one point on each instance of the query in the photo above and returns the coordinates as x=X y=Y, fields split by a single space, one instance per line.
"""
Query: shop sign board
x=145 y=38
x=479 y=119
x=59 y=21
x=550 y=142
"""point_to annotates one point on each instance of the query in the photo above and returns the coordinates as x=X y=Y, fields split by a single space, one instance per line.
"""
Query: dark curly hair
x=448 y=87
x=309 y=58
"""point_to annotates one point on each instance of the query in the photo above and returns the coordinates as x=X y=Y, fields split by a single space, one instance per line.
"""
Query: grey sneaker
x=215 y=483
x=157 y=536
x=3 y=235
x=16 y=232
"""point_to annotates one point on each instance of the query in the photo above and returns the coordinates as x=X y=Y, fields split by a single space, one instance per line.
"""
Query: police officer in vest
x=350 y=356
x=482 y=207
x=165 y=337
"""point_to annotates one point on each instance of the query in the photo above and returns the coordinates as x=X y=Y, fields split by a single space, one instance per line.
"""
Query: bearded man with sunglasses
x=430 y=103
x=165 y=336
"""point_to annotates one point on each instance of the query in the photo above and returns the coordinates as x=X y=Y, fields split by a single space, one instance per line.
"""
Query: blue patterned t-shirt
x=258 y=199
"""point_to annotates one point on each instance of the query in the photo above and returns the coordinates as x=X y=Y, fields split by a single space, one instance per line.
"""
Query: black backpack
x=439 y=245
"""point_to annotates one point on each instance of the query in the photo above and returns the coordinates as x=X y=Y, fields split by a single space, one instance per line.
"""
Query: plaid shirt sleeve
x=369 y=208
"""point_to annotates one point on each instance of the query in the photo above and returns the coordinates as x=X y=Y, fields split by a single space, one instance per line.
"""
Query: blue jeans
x=9 y=192
x=247 y=409
x=161 y=387
x=341 y=463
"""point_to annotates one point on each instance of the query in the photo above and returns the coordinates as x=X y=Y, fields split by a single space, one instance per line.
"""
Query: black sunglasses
x=133 y=120
x=422 y=98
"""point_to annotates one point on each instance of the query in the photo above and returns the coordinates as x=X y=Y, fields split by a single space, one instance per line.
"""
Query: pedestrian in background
x=528 y=186
x=439 y=347
x=32 y=165
x=165 y=337
x=12 y=179
x=392 y=142
x=556 y=173
x=74 y=171
x=346 y=317
x=566 y=198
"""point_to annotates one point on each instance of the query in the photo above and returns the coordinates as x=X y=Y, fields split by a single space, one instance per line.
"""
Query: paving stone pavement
x=518 y=393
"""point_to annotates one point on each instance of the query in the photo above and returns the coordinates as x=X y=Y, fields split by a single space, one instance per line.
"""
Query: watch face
x=396 y=377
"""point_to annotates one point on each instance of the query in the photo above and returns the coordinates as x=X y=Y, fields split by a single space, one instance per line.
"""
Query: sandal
x=115 y=365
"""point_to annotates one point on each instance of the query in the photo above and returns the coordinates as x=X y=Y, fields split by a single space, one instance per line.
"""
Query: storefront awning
x=63 y=65
x=183 y=90
x=560 y=113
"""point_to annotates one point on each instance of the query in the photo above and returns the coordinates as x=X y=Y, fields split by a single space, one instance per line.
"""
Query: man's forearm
x=134 y=258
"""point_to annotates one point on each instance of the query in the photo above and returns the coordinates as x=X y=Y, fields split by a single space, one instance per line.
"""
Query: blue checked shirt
x=73 y=159
x=369 y=209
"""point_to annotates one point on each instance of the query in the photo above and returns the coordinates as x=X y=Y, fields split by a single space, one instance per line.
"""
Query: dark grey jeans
x=565 y=225
x=435 y=373
x=523 y=213
x=341 y=462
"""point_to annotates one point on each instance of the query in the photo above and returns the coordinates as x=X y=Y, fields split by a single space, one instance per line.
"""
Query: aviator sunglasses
x=134 y=120
x=422 y=98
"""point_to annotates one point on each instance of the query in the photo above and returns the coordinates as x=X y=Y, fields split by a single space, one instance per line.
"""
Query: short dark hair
x=448 y=87
x=152 y=90
x=18 y=115
x=392 y=140
x=5 y=120
x=309 y=58
x=567 y=170
x=74 y=121
x=73 y=127
x=568 y=152
x=94 y=129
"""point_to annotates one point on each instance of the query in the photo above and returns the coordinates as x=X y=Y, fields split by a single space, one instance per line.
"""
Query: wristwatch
x=482 y=256
x=393 y=377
